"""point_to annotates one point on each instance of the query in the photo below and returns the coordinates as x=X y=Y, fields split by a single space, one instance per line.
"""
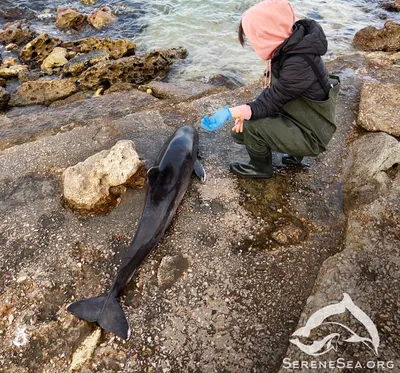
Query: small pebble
x=11 y=47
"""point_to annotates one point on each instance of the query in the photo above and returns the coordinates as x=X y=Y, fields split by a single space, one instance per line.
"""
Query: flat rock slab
x=17 y=127
x=43 y=92
x=231 y=297
x=23 y=124
x=79 y=96
x=368 y=270
x=380 y=108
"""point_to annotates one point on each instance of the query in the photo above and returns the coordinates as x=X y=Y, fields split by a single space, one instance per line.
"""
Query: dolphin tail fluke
x=105 y=311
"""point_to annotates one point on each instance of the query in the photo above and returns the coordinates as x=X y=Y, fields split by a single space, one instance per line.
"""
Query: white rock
x=87 y=184
x=85 y=351
x=21 y=338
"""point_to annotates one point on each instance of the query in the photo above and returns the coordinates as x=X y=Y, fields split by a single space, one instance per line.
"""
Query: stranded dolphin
x=168 y=181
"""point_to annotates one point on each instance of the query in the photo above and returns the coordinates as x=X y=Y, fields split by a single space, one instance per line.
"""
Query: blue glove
x=217 y=120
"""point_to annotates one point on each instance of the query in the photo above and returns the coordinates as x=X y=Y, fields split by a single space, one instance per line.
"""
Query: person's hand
x=217 y=120
x=241 y=113
x=238 y=125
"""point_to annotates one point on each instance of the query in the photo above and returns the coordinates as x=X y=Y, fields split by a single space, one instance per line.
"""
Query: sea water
x=206 y=28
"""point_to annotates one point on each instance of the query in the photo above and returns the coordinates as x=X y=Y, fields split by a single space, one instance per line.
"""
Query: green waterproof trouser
x=302 y=128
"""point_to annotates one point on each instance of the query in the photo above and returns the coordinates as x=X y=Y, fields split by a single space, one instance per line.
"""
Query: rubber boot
x=291 y=159
x=259 y=167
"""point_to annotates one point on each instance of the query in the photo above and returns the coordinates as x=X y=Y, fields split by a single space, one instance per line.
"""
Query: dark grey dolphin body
x=168 y=181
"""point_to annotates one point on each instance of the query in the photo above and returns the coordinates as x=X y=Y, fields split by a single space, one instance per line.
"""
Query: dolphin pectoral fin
x=152 y=174
x=199 y=170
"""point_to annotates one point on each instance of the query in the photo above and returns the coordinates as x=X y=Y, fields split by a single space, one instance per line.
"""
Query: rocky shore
x=244 y=264
x=50 y=69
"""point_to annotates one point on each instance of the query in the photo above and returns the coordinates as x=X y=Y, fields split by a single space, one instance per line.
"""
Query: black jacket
x=294 y=76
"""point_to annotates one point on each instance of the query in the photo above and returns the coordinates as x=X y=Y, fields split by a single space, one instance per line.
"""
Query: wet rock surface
x=120 y=87
x=101 y=17
x=234 y=295
x=230 y=82
x=171 y=269
x=16 y=32
x=286 y=232
x=391 y=6
x=39 y=48
x=178 y=91
x=71 y=99
x=222 y=285
x=367 y=269
x=42 y=92
x=116 y=48
x=383 y=60
x=70 y=18
x=10 y=11
x=12 y=71
x=29 y=123
x=83 y=61
x=380 y=108
x=372 y=39
x=4 y=98
x=99 y=182
x=137 y=69
x=26 y=75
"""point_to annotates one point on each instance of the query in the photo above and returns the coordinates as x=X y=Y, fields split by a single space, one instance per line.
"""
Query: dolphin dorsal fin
x=152 y=174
